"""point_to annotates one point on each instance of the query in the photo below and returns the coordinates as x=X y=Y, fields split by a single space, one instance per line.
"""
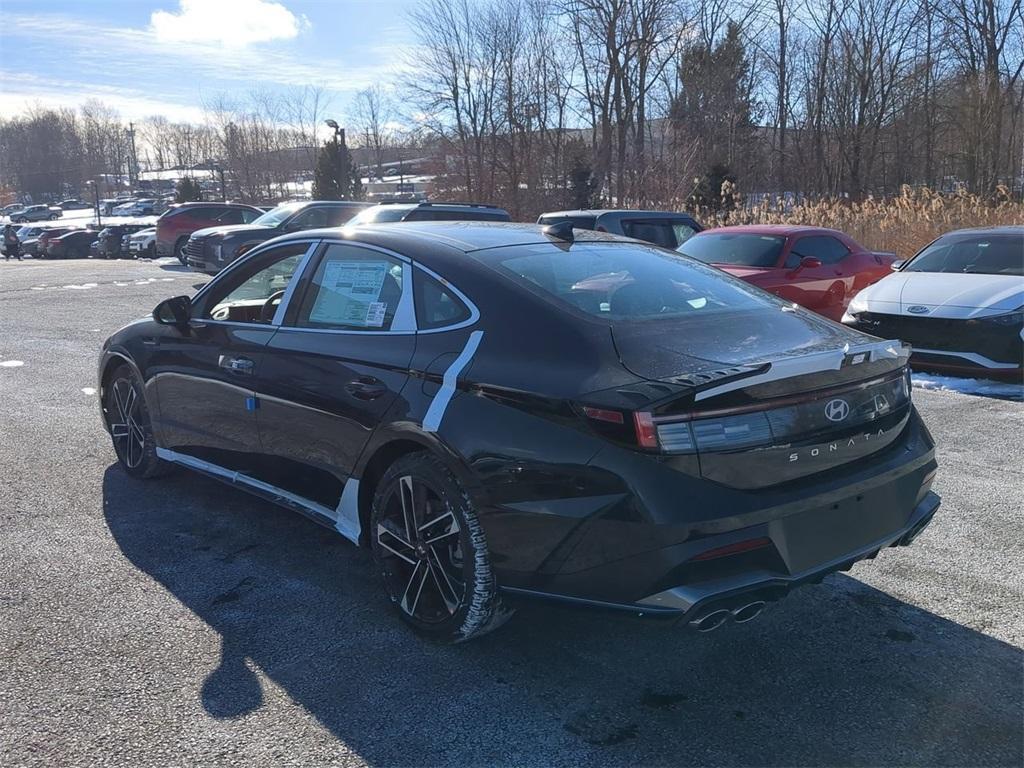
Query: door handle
x=366 y=388
x=240 y=365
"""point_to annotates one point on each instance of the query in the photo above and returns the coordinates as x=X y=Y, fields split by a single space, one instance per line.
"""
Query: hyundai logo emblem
x=917 y=309
x=837 y=410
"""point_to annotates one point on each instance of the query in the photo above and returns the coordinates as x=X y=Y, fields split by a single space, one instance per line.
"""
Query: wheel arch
x=387 y=448
x=112 y=360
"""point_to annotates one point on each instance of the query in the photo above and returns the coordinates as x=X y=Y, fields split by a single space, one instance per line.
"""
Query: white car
x=142 y=243
x=959 y=303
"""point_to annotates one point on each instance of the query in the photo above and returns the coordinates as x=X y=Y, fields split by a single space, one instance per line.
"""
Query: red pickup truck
x=818 y=268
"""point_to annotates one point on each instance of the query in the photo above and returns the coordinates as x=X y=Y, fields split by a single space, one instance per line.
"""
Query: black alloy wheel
x=127 y=417
x=431 y=551
x=179 y=250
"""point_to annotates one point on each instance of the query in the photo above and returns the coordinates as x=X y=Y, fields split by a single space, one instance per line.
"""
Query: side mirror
x=895 y=266
x=174 y=311
x=810 y=262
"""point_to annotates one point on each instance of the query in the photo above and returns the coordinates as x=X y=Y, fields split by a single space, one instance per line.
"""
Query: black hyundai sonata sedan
x=502 y=411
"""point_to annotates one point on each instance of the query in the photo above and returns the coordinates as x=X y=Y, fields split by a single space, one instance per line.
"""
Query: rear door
x=337 y=364
x=204 y=374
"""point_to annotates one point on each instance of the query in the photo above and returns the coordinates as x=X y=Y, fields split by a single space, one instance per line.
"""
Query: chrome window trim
x=261 y=248
x=474 y=313
x=289 y=291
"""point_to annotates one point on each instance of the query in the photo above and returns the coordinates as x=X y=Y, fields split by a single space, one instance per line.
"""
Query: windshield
x=627 y=281
x=981 y=255
x=276 y=216
x=378 y=215
x=740 y=249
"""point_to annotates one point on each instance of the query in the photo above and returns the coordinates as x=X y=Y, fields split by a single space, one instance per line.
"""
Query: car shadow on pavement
x=838 y=673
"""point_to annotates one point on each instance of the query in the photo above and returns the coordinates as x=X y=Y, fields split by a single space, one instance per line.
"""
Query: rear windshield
x=988 y=255
x=740 y=249
x=625 y=281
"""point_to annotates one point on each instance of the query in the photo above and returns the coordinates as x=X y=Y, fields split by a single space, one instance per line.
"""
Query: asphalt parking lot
x=180 y=622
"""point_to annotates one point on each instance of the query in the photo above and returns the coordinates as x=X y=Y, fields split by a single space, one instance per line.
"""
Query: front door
x=204 y=374
x=823 y=288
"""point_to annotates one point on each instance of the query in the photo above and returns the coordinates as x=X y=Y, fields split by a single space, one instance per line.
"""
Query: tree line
x=536 y=104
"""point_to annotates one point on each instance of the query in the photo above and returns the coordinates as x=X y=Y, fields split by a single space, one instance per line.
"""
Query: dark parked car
x=179 y=221
x=682 y=446
x=210 y=250
x=391 y=212
x=36 y=213
x=113 y=243
x=37 y=246
x=73 y=244
x=664 y=228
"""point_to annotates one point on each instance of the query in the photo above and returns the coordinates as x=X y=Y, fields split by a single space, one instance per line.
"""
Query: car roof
x=466 y=236
x=441 y=206
x=1003 y=229
x=782 y=230
x=601 y=212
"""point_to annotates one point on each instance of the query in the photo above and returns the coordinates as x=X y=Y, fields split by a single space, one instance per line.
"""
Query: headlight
x=1010 y=318
x=857 y=304
x=218 y=249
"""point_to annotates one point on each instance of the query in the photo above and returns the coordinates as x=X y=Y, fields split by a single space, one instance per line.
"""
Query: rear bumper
x=687 y=604
x=672 y=547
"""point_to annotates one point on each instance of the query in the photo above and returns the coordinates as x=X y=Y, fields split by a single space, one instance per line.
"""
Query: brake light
x=646 y=431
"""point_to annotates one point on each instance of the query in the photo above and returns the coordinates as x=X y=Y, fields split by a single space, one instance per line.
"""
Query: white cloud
x=235 y=23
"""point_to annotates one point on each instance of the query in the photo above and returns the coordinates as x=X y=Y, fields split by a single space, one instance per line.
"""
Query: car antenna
x=561 y=231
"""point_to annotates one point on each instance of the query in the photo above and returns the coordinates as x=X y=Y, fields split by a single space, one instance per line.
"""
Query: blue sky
x=147 y=57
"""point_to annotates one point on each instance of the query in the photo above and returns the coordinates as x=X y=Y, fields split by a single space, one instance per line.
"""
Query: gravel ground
x=179 y=622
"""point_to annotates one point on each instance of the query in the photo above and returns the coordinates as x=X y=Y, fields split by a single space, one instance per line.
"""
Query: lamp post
x=96 y=198
x=339 y=142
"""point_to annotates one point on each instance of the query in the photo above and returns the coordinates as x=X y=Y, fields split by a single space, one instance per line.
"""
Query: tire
x=52 y=217
x=179 y=250
x=435 y=566
x=131 y=431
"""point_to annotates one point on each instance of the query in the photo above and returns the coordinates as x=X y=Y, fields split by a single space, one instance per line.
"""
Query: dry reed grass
x=903 y=224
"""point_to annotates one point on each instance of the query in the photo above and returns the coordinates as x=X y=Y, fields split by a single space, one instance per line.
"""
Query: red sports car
x=818 y=268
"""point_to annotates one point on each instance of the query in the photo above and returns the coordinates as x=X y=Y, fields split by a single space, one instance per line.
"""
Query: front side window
x=625 y=282
x=353 y=288
x=737 y=248
x=311 y=218
x=823 y=247
x=984 y=255
x=251 y=293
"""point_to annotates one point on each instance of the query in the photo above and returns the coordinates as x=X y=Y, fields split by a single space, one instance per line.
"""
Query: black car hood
x=697 y=350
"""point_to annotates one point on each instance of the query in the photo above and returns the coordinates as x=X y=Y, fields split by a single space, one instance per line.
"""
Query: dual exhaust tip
x=716 y=617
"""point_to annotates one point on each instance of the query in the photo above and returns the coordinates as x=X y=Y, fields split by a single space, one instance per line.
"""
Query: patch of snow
x=985 y=387
x=82 y=287
x=89 y=390
x=11 y=364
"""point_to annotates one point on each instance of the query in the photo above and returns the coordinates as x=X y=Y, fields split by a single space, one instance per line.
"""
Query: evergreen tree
x=187 y=191
x=715 y=107
x=336 y=177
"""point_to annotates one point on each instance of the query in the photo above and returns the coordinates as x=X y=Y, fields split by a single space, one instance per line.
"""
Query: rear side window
x=437 y=305
x=353 y=288
x=340 y=215
x=658 y=232
x=625 y=281
x=824 y=247
x=232 y=216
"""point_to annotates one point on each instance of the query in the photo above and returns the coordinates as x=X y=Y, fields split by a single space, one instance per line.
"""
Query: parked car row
x=73 y=242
